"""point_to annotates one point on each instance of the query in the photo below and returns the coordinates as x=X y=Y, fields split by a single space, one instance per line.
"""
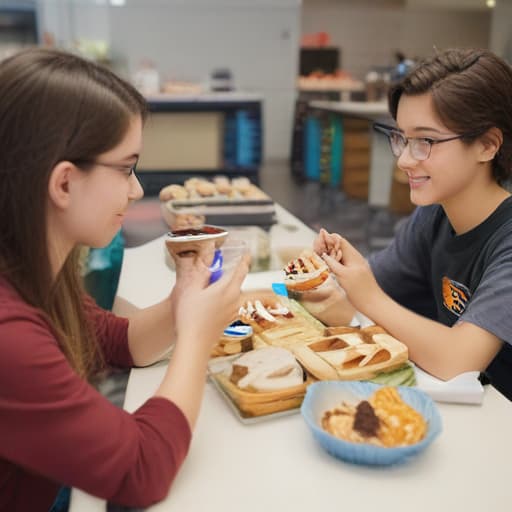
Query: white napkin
x=462 y=389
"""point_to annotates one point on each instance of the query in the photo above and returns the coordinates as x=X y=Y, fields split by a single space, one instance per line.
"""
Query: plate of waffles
x=369 y=424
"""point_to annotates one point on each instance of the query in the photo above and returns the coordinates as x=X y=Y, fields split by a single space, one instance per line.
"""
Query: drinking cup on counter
x=229 y=254
x=218 y=252
x=191 y=242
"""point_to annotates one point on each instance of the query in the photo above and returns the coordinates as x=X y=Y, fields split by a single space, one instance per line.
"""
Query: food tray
x=243 y=418
x=221 y=212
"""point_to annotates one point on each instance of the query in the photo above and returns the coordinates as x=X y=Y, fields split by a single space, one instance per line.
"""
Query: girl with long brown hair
x=70 y=136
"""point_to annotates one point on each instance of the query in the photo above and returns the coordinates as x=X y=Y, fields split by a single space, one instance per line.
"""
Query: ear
x=59 y=183
x=491 y=142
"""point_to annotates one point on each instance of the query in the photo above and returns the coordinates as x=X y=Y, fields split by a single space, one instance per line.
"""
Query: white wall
x=369 y=32
x=187 y=39
x=501 y=29
x=257 y=40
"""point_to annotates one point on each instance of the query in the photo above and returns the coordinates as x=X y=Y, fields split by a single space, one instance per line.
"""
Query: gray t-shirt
x=449 y=278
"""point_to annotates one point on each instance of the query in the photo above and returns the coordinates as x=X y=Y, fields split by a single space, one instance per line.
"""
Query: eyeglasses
x=419 y=147
x=127 y=169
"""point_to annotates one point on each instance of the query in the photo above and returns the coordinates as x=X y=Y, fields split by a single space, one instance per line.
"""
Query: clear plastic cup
x=230 y=255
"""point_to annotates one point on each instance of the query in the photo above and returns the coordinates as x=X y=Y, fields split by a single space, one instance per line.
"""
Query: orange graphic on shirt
x=455 y=296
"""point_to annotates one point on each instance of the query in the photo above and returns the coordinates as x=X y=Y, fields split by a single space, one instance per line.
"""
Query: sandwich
x=306 y=272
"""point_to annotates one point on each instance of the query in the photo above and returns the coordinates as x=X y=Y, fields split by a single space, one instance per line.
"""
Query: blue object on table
x=280 y=289
x=216 y=267
x=325 y=395
x=238 y=328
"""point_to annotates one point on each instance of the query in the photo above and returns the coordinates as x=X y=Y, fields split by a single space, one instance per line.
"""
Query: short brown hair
x=54 y=106
x=471 y=92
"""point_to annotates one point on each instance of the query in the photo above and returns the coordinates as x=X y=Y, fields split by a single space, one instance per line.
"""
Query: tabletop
x=275 y=464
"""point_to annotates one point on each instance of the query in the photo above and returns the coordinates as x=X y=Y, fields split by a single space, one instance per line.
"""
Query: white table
x=276 y=466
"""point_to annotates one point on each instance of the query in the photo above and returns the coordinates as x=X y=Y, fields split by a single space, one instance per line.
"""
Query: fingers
x=241 y=271
x=334 y=265
x=319 y=245
x=350 y=254
x=191 y=271
x=328 y=243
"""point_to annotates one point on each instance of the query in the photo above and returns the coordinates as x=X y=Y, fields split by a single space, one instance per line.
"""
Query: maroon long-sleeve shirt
x=56 y=429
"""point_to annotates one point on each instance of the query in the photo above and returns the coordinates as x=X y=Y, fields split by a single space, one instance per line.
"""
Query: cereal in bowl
x=382 y=420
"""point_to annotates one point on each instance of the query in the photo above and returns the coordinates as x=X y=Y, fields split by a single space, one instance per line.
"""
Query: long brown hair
x=54 y=106
x=471 y=92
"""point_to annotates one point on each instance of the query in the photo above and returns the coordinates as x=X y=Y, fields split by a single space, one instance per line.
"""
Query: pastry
x=173 y=192
x=264 y=313
x=223 y=185
x=262 y=381
x=275 y=324
x=205 y=188
x=241 y=184
x=306 y=272
x=267 y=369
x=359 y=355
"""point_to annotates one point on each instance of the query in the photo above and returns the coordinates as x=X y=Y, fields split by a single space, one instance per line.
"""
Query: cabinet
x=203 y=135
x=337 y=145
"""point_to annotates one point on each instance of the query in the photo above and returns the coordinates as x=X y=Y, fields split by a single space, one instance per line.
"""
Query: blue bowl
x=325 y=395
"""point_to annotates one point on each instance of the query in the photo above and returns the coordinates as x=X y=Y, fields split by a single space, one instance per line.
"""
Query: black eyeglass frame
x=130 y=169
x=387 y=130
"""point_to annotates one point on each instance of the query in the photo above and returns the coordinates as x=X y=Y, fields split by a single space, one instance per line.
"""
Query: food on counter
x=173 y=192
x=358 y=355
x=382 y=420
x=237 y=338
x=263 y=381
x=306 y=272
x=264 y=313
x=221 y=188
x=277 y=324
x=223 y=185
x=205 y=188
x=241 y=184
x=266 y=369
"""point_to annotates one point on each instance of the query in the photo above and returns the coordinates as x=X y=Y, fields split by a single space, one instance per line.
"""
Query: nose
x=406 y=160
x=136 y=191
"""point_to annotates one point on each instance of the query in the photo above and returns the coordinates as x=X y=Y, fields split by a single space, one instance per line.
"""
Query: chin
x=100 y=243
x=418 y=200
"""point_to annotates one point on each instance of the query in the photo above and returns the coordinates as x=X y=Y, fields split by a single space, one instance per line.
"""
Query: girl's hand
x=354 y=275
x=202 y=312
x=328 y=243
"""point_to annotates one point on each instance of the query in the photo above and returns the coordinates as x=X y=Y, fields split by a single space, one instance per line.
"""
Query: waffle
x=357 y=355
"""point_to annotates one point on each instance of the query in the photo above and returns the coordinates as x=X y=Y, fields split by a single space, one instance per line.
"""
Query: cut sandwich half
x=306 y=272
